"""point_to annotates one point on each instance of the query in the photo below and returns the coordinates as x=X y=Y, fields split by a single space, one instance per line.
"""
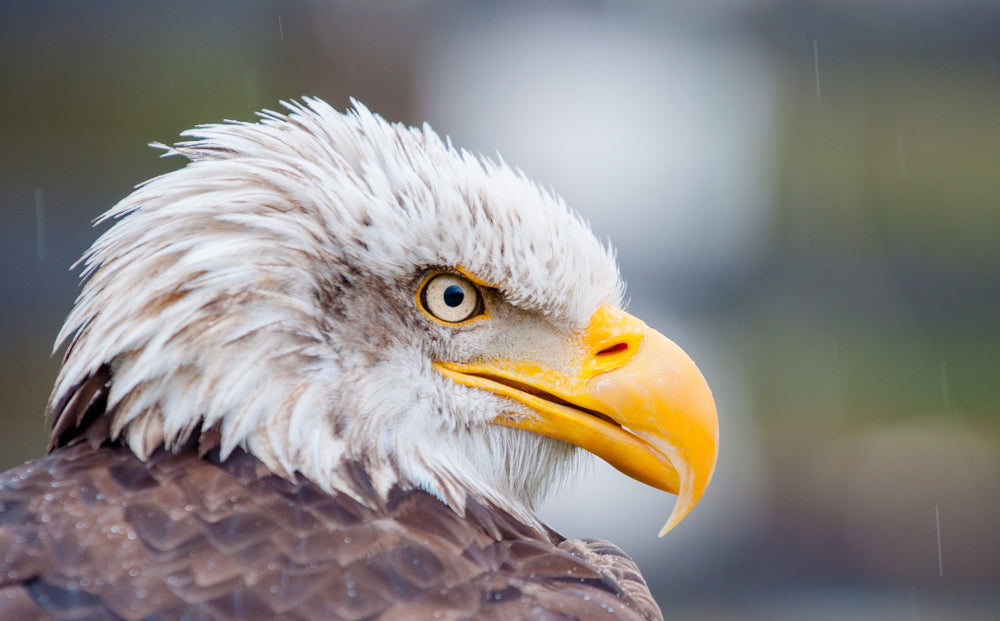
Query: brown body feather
x=94 y=533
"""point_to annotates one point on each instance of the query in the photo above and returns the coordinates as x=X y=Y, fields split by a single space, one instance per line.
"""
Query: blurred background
x=804 y=195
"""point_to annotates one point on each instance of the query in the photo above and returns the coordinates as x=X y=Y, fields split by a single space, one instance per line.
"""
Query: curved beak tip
x=676 y=418
x=688 y=496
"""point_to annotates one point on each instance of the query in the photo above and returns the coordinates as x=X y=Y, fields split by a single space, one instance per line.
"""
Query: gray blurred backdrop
x=804 y=195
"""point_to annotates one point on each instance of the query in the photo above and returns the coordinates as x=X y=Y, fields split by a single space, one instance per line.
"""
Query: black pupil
x=453 y=296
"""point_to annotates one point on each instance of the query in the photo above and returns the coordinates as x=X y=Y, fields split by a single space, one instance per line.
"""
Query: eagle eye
x=450 y=298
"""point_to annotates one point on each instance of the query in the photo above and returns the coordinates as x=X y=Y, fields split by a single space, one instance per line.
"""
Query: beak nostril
x=617 y=348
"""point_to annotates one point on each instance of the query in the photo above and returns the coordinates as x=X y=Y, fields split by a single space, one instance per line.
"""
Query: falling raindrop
x=901 y=153
x=944 y=386
x=281 y=28
x=816 y=63
x=937 y=519
x=40 y=224
x=251 y=81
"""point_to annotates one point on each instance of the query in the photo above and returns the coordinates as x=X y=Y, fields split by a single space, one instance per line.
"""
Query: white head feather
x=267 y=290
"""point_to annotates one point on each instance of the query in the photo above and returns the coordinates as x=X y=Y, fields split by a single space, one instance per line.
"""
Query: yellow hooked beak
x=634 y=399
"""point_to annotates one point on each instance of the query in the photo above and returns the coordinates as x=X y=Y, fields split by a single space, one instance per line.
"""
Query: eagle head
x=323 y=289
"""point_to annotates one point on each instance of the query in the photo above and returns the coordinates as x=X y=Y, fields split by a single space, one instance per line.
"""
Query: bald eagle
x=324 y=371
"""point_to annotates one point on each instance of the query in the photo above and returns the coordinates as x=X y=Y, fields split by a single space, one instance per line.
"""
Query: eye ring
x=450 y=298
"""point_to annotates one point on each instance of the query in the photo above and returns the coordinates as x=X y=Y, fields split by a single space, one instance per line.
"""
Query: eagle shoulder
x=95 y=532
